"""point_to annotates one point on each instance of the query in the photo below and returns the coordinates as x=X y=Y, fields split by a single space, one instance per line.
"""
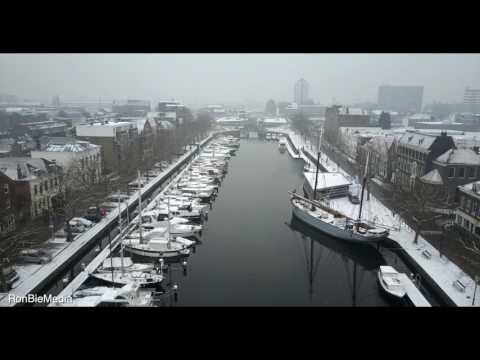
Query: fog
x=198 y=79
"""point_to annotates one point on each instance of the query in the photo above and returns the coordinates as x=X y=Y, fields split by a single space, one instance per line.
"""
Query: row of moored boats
x=166 y=230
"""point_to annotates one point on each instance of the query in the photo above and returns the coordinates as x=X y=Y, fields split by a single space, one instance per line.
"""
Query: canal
x=254 y=254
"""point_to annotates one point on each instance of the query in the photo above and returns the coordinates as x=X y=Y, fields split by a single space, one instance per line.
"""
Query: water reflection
x=358 y=262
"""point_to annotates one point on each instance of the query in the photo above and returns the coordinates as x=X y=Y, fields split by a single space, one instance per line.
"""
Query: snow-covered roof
x=472 y=188
x=326 y=180
x=352 y=111
x=229 y=119
x=69 y=145
x=379 y=112
x=417 y=141
x=459 y=156
x=275 y=120
x=140 y=124
x=432 y=177
x=164 y=124
x=421 y=117
x=380 y=144
x=29 y=168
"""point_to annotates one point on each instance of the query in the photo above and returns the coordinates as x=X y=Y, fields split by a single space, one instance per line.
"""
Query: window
x=474 y=207
x=41 y=188
x=461 y=172
x=35 y=189
x=459 y=219
x=451 y=172
x=5 y=188
x=56 y=181
x=468 y=205
x=46 y=185
x=471 y=172
x=51 y=183
x=477 y=230
x=7 y=203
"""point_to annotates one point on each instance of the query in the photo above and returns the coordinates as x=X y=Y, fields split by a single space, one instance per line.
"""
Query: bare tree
x=417 y=205
x=80 y=185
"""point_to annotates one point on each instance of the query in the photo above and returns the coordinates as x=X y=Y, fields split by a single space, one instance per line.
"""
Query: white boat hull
x=141 y=279
x=331 y=229
x=156 y=253
x=397 y=293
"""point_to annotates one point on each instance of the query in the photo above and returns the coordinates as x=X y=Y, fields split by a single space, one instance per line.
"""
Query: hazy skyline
x=234 y=78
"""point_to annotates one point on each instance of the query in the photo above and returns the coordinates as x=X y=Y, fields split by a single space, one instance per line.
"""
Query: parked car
x=79 y=225
x=93 y=214
x=10 y=275
x=34 y=256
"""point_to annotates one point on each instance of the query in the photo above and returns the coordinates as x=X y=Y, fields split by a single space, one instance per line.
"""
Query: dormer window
x=451 y=172
x=471 y=172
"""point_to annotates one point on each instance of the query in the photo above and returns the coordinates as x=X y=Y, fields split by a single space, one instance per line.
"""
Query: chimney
x=19 y=172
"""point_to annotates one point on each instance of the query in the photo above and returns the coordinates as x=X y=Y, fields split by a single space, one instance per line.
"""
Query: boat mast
x=316 y=177
x=140 y=207
x=168 y=218
x=120 y=229
x=364 y=181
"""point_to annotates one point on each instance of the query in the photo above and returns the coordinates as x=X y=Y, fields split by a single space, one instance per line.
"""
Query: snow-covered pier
x=415 y=296
x=64 y=259
x=450 y=282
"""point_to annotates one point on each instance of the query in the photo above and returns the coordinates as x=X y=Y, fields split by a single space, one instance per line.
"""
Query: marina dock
x=414 y=295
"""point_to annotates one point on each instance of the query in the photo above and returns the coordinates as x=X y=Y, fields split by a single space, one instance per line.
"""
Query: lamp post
x=477 y=278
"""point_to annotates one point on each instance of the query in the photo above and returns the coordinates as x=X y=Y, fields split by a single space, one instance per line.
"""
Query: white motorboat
x=389 y=280
x=101 y=296
x=157 y=248
x=119 y=277
x=116 y=263
x=162 y=228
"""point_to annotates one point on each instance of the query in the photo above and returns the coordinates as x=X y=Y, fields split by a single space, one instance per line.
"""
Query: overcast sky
x=198 y=79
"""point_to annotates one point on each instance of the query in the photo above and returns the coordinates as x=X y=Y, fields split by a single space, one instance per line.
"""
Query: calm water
x=254 y=253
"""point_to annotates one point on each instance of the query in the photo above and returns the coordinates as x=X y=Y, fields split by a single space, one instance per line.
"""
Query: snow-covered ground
x=31 y=275
x=444 y=272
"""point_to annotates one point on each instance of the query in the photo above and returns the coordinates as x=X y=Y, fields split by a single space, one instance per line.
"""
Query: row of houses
x=100 y=145
x=438 y=160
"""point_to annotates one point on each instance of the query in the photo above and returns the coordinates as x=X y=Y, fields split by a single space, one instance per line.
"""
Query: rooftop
x=433 y=177
x=326 y=180
x=276 y=120
x=24 y=168
x=459 y=156
x=68 y=145
x=421 y=117
x=229 y=119
x=352 y=111
x=417 y=140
